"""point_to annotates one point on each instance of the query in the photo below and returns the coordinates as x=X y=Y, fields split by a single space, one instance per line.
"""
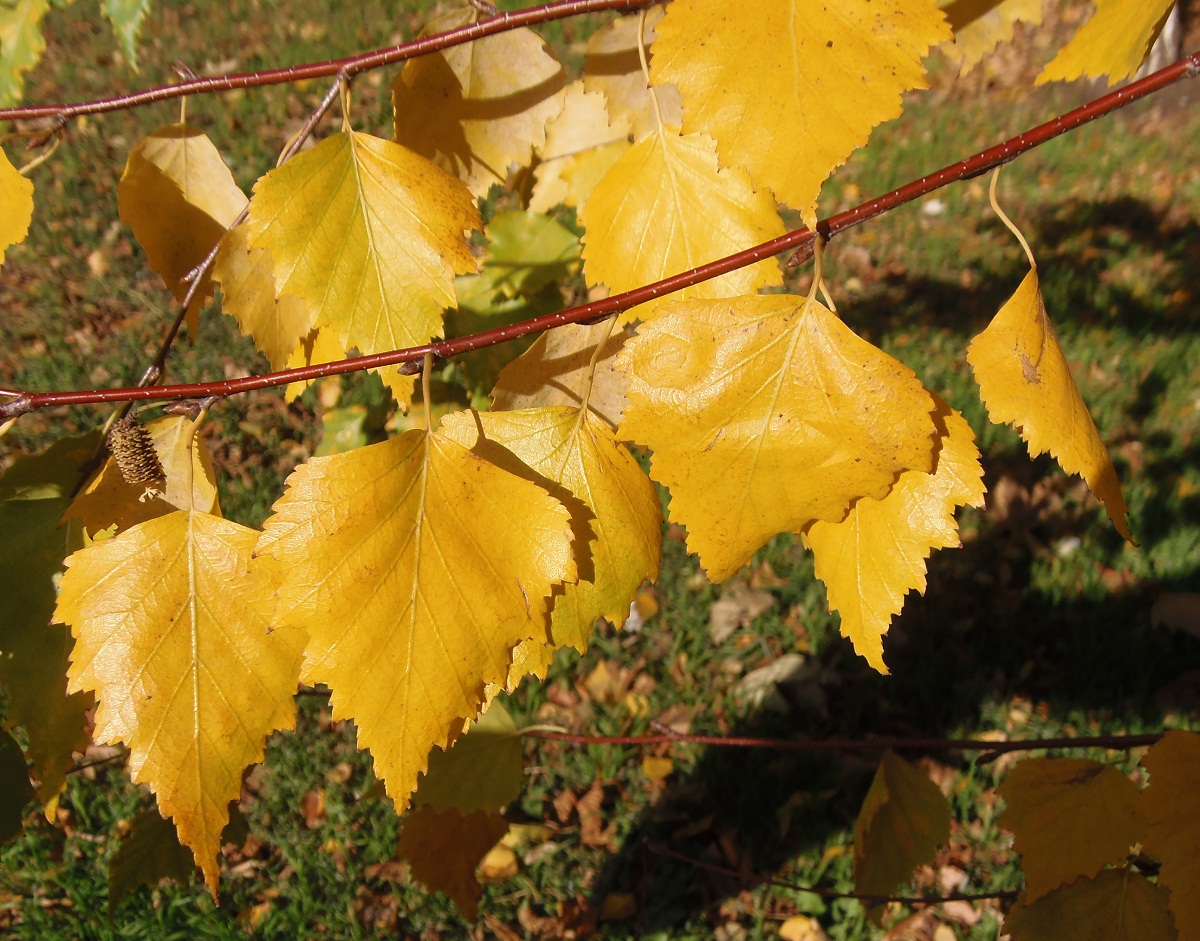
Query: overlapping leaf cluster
x=419 y=576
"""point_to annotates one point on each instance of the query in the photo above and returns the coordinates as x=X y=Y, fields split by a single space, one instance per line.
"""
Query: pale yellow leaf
x=370 y=236
x=765 y=414
x=582 y=143
x=666 y=207
x=1172 y=827
x=873 y=557
x=445 y=847
x=172 y=633
x=478 y=108
x=1070 y=818
x=791 y=88
x=16 y=205
x=1024 y=380
x=556 y=371
x=416 y=567
x=1114 y=42
x=981 y=25
x=319 y=346
x=1116 y=905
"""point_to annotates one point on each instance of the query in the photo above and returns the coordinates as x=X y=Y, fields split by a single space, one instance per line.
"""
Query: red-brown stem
x=964 y=169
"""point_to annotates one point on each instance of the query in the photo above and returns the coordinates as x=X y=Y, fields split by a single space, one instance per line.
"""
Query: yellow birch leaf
x=1114 y=42
x=1172 y=827
x=416 y=567
x=877 y=554
x=556 y=370
x=981 y=25
x=616 y=521
x=765 y=414
x=582 y=143
x=1069 y=818
x=178 y=197
x=481 y=107
x=481 y=771
x=1116 y=905
x=903 y=820
x=246 y=275
x=1024 y=381
x=666 y=207
x=172 y=632
x=108 y=500
x=370 y=236
x=612 y=66
x=791 y=88
x=444 y=848
x=320 y=346
x=16 y=205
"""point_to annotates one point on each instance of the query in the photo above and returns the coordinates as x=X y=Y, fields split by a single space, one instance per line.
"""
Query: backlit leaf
x=417 y=567
x=791 y=88
x=873 y=557
x=370 y=236
x=481 y=107
x=172 y=632
x=1024 y=381
x=1116 y=905
x=665 y=207
x=445 y=847
x=1070 y=818
x=126 y=17
x=765 y=414
x=1172 y=827
x=1114 y=42
x=481 y=771
x=981 y=25
x=148 y=855
x=16 y=203
x=582 y=143
x=21 y=46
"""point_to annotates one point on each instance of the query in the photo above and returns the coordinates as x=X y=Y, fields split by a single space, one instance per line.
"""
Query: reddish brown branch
x=964 y=169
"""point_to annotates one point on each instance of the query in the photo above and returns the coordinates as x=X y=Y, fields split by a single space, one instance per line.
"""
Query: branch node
x=14 y=408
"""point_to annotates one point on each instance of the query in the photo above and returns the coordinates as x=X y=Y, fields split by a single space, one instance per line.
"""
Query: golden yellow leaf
x=16 y=205
x=556 y=371
x=1116 y=905
x=765 y=414
x=612 y=66
x=172 y=632
x=981 y=25
x=873 y=557
x=903 y=820
x=665 y=207
x=481 y=771
x=1069 y=818
x=445 y=847
x=370 y=236
x=319 y=346
x=178 y=197
x=582 y=143
x=1114 y=42
x=247 y=280
x=416 y=568
x=616 y=522
x=190 y=482
x=1172 y=827
x=1024 y=380
x=791 y=88
x=478 y=108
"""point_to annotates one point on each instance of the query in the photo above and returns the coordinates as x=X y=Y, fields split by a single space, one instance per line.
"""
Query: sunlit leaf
x=445 y=847
x=1172 y=827
x=148 y=855
x=582 y=143
x=873 y=557
x=16 y=204
x=1114 y=42
x=481 y=771
x=526 y=251
x=126 y=17
x=319 y=346
x=21 y=46
x=1024 y=380
x=481 y=107
x=1116 y=905
x=766 y=414
x=791 y=88
x=982 y=25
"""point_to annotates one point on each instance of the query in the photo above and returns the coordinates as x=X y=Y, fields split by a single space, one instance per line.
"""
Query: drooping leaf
x=1070 y=818
x=370 y=236
x=416 y=567
x=1172 y=828
x=791 y=88
x=16 y=201
x=481 y=107
x=765 y=414
x=15 y=790
x=126 y=17
x=148 y=855
x=1024 y=380
x=665 y=207
x=982 y=25
x=1116 y=905
x=873 y=557
x=445 y=847
x=556 y=371
x=21 y=46
x=903 y=820
x=178 y=197
x=480 y=771
x=616 y=522
x=1114 y=42
x=172 y=631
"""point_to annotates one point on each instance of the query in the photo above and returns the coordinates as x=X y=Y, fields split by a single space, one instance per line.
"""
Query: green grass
x=1039 y=626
